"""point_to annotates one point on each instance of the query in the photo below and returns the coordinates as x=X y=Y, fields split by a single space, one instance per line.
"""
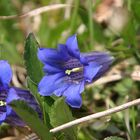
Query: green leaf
x=34 y=90
x=129 y=33
x=97 y=29
x=44 y=102
x=98 y=33
x=60 y=114
x=136 y=9
x=113 y=138
x=31 y=118
x=33 y=65
x=124 y=87
x=74 y=17
x=56 y=33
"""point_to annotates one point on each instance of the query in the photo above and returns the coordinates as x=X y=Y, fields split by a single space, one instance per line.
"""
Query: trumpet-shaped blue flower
x=67 y=71
x=8 y=94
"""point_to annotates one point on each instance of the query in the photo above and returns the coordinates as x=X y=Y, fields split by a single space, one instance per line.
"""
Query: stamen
x=74 y=70
x=2 y=103
x=68 y=72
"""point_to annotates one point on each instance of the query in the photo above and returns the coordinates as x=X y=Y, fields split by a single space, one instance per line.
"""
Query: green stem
x=44 y=112
x=91 y=31
x=129 y=5
x=74 y=17
x=133 y=124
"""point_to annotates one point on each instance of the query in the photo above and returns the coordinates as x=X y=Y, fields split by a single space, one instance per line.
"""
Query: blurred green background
x=103 y=25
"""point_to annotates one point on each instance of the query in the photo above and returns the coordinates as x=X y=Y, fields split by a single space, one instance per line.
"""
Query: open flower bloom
x=67 y=71
x=8 y=94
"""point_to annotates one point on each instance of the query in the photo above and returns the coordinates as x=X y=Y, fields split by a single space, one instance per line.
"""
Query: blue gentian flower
x=67 y=71
x=8 y=94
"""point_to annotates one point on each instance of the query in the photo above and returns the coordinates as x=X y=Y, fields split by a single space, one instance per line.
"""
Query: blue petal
x=2 y=117
x=5 y=72
x=62 y=49
x=74 y=100
x=50 y=83
x=12 y=95
x=51 y=69
x=83 y=60
x=46 y=55
x=72 y=46
x=26 y=95
x=59 y=92
x=14 y=120
x=103 y=70
x=72 y=94
x=98 y=57
x=91 y=70
x=3 y=95
x=8 y=110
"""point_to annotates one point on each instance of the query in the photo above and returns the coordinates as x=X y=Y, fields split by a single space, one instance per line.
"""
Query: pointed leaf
x=33 y=65
x=33 y=88
x=44 y=102
x=60 y=114
x=27 y=114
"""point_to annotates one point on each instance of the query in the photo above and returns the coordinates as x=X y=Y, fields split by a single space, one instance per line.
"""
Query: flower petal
x=51 y=69
x=98 y=57
x=62 y=49
x=46 y=55
x=50 y=83
x=72 y=46
x=72 y=94
x=5 y=72
x=83 y=60
x=74 y=100
x=14 y=120
x=3 y=95
x=2 y=117
x=91 y=70
x=12 y=95
x=59 y=92
x=26 y=96
x=103 y=70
